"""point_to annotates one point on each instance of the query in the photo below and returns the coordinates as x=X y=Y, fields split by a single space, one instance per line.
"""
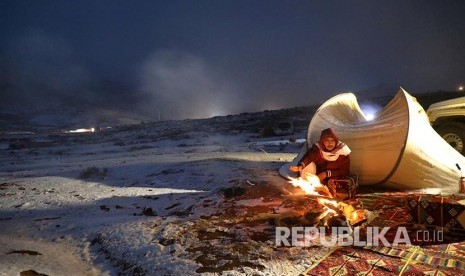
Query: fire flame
x=326 y=202
x=310 y=185
x=330 y=206
x=327 y=211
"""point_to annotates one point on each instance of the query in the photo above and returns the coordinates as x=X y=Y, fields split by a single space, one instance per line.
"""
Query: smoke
x=40 y=72
x=179 y=85
x=44 y=73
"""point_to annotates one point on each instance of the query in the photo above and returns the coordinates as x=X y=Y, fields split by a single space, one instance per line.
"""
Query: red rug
x=360 y=261
x=423 y=258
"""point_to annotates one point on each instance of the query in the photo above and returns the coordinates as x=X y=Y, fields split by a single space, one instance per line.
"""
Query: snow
x=153 y=203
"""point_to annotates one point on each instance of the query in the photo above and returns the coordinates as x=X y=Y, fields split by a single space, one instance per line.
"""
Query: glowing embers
x=334 y=214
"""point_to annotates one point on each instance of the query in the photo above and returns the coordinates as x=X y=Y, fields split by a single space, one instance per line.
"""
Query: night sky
x=191 y=59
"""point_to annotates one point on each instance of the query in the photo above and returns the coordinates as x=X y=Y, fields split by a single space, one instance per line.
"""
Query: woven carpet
x=362 y=261
x=422 y=258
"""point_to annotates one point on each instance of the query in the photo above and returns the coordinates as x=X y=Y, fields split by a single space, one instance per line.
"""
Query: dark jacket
x=339 y=167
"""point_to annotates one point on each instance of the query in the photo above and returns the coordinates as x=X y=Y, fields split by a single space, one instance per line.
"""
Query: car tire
x=454 y=134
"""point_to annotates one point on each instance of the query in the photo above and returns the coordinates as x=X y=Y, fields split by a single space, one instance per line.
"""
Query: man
x=327 y=158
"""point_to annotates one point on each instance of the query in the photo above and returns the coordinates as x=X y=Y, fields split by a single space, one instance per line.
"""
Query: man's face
x=329 y=143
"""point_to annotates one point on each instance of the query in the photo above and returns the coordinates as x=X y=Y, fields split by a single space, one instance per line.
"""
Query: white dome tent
x=397 y=149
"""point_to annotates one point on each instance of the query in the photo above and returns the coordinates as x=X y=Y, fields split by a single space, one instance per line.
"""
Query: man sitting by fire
x=329 y=160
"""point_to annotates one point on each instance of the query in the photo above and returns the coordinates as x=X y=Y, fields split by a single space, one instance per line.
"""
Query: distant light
x=215 y=111
x=461 y=88
x=370 y=117
x=370 y=110
x=81 y=130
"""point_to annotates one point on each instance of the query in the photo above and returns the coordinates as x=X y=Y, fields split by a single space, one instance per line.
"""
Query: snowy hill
x=125 y=200
x=168 y=197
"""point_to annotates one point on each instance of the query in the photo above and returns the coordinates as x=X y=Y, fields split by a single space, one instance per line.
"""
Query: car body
x=448 y=119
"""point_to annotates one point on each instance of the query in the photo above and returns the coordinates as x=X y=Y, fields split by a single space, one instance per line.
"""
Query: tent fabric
x=397 y=149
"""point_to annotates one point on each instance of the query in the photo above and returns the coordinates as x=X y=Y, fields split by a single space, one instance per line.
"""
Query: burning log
x=314 y=216
x=337 y=221
x=358 y=217
x=353 y=214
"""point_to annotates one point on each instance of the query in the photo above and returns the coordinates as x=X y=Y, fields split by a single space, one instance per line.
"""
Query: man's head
x=328 y=139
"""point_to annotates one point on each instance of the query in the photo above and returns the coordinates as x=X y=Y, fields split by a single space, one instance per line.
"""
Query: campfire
x=334 y=212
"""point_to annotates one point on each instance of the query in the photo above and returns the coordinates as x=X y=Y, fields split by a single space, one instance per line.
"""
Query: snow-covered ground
x=150 y=199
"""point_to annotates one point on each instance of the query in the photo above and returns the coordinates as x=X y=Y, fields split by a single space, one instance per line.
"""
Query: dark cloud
x=40 y=70
x=202 y=58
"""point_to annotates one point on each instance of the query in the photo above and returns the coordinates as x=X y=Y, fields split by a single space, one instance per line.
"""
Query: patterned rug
x=446 y=257
x=411 y=261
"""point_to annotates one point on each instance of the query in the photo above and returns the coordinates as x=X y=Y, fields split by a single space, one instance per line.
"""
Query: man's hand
x=297 y=168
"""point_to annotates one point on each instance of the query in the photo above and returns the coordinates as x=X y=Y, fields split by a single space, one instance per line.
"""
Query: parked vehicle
x=448 y=119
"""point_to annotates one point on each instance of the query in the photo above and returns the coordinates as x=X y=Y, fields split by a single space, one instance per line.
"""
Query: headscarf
x=340 y=148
